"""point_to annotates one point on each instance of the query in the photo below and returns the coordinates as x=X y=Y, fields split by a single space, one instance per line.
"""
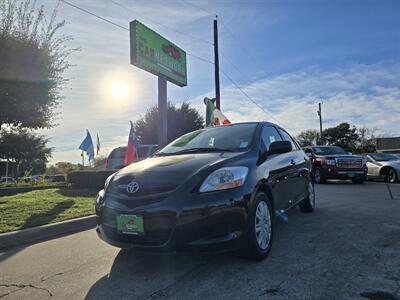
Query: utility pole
x=216 y=64
x=320 y=122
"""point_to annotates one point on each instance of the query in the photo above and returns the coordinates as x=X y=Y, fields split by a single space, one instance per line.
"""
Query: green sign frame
x=155 y=54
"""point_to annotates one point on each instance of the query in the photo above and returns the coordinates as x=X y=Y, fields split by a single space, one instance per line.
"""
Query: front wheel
x=308 y=204
x=259 y=228
x=390 y=175
x=319 y=176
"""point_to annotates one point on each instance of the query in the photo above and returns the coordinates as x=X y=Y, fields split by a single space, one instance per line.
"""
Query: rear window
x=118 y=153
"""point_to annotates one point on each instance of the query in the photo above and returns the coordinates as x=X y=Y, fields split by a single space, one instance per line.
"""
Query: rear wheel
x=259 y=228
x=308 y=204
x=319 y=175
x=390 y=175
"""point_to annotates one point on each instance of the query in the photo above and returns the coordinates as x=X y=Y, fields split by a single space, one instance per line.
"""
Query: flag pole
x=83 y=159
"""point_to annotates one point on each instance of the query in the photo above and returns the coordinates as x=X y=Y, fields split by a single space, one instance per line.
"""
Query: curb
x=46 y=232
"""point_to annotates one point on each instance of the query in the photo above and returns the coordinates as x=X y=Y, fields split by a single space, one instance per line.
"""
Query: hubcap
x=311 y=194
x=391 y=176
x=263 y=225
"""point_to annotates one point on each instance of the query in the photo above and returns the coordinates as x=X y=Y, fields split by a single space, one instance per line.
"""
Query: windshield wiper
x=195 y=150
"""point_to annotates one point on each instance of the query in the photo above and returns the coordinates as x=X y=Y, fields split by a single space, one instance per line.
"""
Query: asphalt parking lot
x=349 y=248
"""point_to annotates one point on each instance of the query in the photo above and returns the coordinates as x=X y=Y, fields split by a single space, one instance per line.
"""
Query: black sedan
x=217 y=188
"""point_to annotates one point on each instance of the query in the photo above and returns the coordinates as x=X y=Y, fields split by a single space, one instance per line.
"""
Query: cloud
x=359 y=94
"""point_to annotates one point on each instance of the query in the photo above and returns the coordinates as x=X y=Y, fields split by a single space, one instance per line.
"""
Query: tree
x=33 y=59
x=366 y=142
x=342 y=135
x=309 y=137
x=26 y=148
x=180 y=120
x=62 y=168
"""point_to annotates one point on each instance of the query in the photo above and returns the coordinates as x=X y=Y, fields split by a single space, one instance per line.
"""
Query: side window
x=270 y=135
x=286 y=137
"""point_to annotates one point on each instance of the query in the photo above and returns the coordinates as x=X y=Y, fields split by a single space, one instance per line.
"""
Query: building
x=389 y=145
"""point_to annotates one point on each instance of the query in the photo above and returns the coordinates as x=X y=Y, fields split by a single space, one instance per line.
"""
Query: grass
x=46 y=206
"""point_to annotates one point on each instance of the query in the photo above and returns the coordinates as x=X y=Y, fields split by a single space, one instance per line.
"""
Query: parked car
x=115 y=160
x=332 y=162
x=55 y=178
x=217 y=188
x=7 y=179
x=384 y=166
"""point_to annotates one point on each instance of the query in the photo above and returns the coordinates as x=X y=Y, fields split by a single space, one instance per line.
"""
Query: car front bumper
x=332 y=172
x=210 y=221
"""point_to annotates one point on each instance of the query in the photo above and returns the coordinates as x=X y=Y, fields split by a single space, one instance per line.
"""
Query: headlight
x=224 y=178
x=108 y=180
x=100 y=197
x=331 y=162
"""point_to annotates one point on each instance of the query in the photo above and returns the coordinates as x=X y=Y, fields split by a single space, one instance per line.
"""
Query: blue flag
x=87 y=145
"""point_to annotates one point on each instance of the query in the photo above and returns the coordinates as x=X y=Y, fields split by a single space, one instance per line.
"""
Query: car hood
x=165 y=173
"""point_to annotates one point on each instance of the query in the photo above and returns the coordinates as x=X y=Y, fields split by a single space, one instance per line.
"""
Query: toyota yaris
x=217 y=188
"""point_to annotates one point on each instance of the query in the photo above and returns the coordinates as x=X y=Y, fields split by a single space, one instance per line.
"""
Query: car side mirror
x=280 y=147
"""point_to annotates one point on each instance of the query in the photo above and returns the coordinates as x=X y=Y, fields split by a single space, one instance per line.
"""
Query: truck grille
x=349 y=163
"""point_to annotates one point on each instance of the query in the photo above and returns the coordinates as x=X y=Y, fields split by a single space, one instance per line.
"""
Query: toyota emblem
x=132 y=187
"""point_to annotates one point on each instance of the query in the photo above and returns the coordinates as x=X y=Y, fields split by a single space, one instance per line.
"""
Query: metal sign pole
x=162 y=111
x=7 y=171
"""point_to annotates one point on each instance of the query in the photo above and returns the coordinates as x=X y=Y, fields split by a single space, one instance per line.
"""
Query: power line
x=165 y=26
x=253 y=101
x=94 y=15
x=125 y=28
x=189 y=54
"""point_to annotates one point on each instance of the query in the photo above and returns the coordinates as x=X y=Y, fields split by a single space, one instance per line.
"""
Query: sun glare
x=119 y=89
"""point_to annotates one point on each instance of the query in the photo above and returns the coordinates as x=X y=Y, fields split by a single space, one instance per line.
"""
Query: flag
x=98 y=145
x=87 y=145
x=131 y=154
x=214 y=117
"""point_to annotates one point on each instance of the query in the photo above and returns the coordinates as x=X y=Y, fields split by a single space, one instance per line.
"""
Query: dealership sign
x=155 y=54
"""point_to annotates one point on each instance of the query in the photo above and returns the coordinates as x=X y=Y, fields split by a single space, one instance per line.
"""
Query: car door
x=276 y=167
x=299 y=171
x=373 y=167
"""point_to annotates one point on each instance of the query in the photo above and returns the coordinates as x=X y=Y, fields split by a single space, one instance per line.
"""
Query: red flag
x=130 y=155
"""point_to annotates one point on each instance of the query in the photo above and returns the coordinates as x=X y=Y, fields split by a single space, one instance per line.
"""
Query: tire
x=319 y=176
x=308 y=204
x=258 y=248
x=358 y=180
x=390 y=175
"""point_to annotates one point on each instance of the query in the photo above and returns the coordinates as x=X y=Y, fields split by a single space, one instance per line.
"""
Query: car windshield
x=329 y=150
x=213 y=139
x=384 y=157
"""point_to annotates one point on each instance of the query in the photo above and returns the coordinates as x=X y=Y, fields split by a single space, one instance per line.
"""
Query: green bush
x=89 y=179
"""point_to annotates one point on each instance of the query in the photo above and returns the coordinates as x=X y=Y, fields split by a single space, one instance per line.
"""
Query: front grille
x=349 y=163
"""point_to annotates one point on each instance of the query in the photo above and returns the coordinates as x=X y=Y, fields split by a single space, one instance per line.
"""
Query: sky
x=286 y=56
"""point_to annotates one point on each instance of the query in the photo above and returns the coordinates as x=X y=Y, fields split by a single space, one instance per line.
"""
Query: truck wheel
x=319 y=175
x=259 y=228
x=308 y=204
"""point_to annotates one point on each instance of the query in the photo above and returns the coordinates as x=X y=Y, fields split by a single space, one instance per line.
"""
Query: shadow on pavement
x=37 y=220
x=141 y=275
